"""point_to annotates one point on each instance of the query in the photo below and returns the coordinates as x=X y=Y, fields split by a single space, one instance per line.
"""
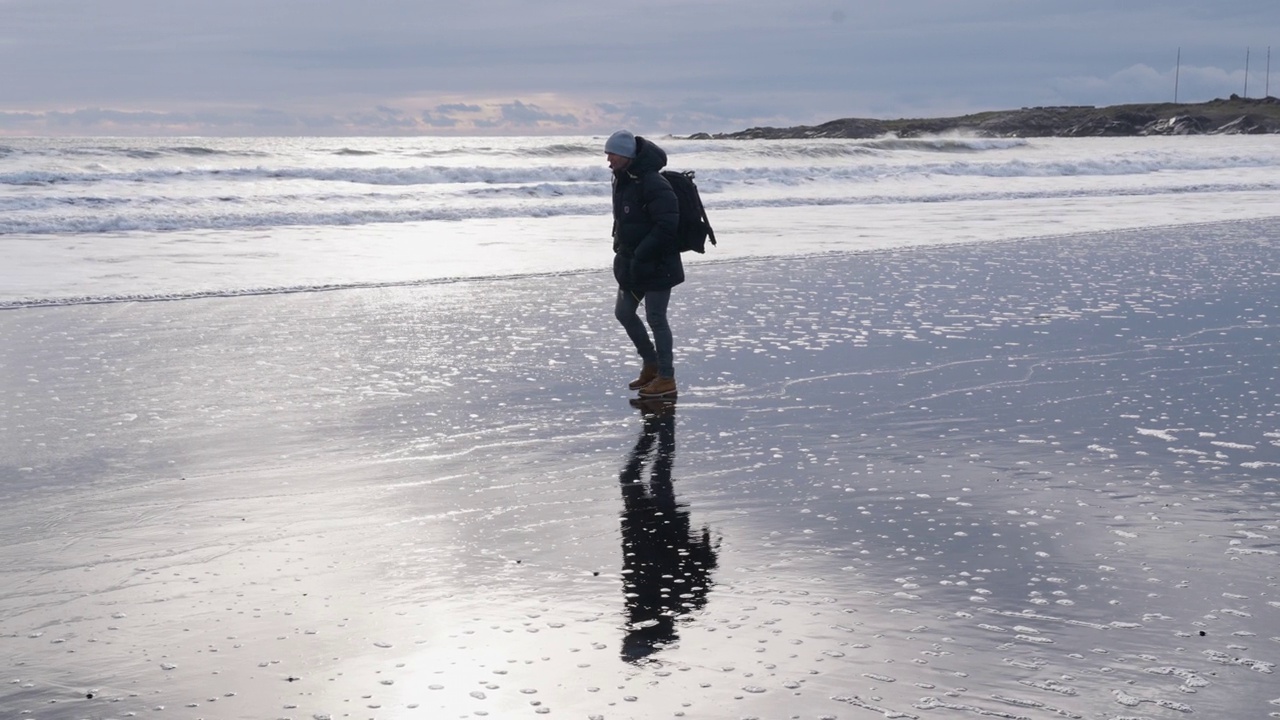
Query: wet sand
x=1034 y=479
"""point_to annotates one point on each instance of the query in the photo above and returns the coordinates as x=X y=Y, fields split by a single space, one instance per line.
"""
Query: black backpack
x=694 y=228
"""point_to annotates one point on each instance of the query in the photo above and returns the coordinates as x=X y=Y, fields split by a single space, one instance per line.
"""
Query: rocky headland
x=1231 y=116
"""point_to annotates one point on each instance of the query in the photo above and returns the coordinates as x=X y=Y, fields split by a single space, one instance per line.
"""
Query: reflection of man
x=666 y=566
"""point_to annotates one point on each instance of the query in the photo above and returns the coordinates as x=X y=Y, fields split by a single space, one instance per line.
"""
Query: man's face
x=617 y=162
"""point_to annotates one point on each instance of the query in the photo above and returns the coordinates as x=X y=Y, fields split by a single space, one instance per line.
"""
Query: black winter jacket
x=645 y=216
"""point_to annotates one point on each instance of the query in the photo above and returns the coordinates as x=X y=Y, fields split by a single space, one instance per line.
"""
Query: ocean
x=107 y=219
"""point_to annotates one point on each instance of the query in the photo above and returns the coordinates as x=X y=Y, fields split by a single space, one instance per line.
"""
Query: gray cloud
x=519 y=114
x=439 y=121
x=341 y=66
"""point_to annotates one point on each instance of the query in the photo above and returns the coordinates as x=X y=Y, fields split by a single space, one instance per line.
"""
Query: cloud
x=491 y=116
x=260 y=121
x=564 y=66
x=1142 y=83
x=439 y=121
x=518 y=114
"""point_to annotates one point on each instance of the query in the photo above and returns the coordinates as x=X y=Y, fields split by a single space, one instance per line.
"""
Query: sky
x=576 y=67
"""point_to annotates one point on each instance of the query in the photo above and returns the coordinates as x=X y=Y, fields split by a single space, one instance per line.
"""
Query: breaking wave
x=104 y=215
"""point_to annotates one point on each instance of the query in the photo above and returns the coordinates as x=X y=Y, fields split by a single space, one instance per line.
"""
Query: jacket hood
x=649 y=158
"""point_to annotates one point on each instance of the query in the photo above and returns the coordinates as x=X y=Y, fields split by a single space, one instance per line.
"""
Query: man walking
x=646 y=261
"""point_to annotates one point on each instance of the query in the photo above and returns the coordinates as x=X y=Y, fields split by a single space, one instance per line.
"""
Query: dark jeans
x=657 y=351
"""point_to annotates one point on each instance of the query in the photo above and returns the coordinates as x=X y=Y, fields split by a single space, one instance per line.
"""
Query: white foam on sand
x=903 y=481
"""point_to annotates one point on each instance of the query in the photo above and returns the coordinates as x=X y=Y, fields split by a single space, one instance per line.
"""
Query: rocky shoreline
x=1231 y=116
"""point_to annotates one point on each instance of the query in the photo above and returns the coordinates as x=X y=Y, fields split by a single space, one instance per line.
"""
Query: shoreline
x=881 y=228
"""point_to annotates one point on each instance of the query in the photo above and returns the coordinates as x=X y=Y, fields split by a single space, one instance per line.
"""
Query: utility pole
x=1177 y=72
x=1268 y=71
x=1246 y=73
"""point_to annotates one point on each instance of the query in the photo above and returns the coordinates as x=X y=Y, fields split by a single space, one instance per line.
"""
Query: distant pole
x=1177 y=72
x=1246 y=73
x=1268 y=71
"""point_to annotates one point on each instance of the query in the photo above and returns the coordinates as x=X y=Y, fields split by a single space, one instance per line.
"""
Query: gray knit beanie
x=621 y=143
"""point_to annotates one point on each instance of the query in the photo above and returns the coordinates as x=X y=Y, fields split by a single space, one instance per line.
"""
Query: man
x=646 y=261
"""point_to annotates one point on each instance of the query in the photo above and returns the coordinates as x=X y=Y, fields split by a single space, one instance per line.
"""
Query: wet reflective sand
x=1023 y=480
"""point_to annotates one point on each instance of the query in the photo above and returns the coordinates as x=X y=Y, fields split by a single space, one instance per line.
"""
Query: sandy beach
x=1032 y=479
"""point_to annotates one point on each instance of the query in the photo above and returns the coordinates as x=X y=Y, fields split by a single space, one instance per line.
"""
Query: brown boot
x=655 y=407
x=647 y=374
x=661 y=387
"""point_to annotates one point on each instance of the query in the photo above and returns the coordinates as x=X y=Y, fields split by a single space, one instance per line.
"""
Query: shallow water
x=1016 y=480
